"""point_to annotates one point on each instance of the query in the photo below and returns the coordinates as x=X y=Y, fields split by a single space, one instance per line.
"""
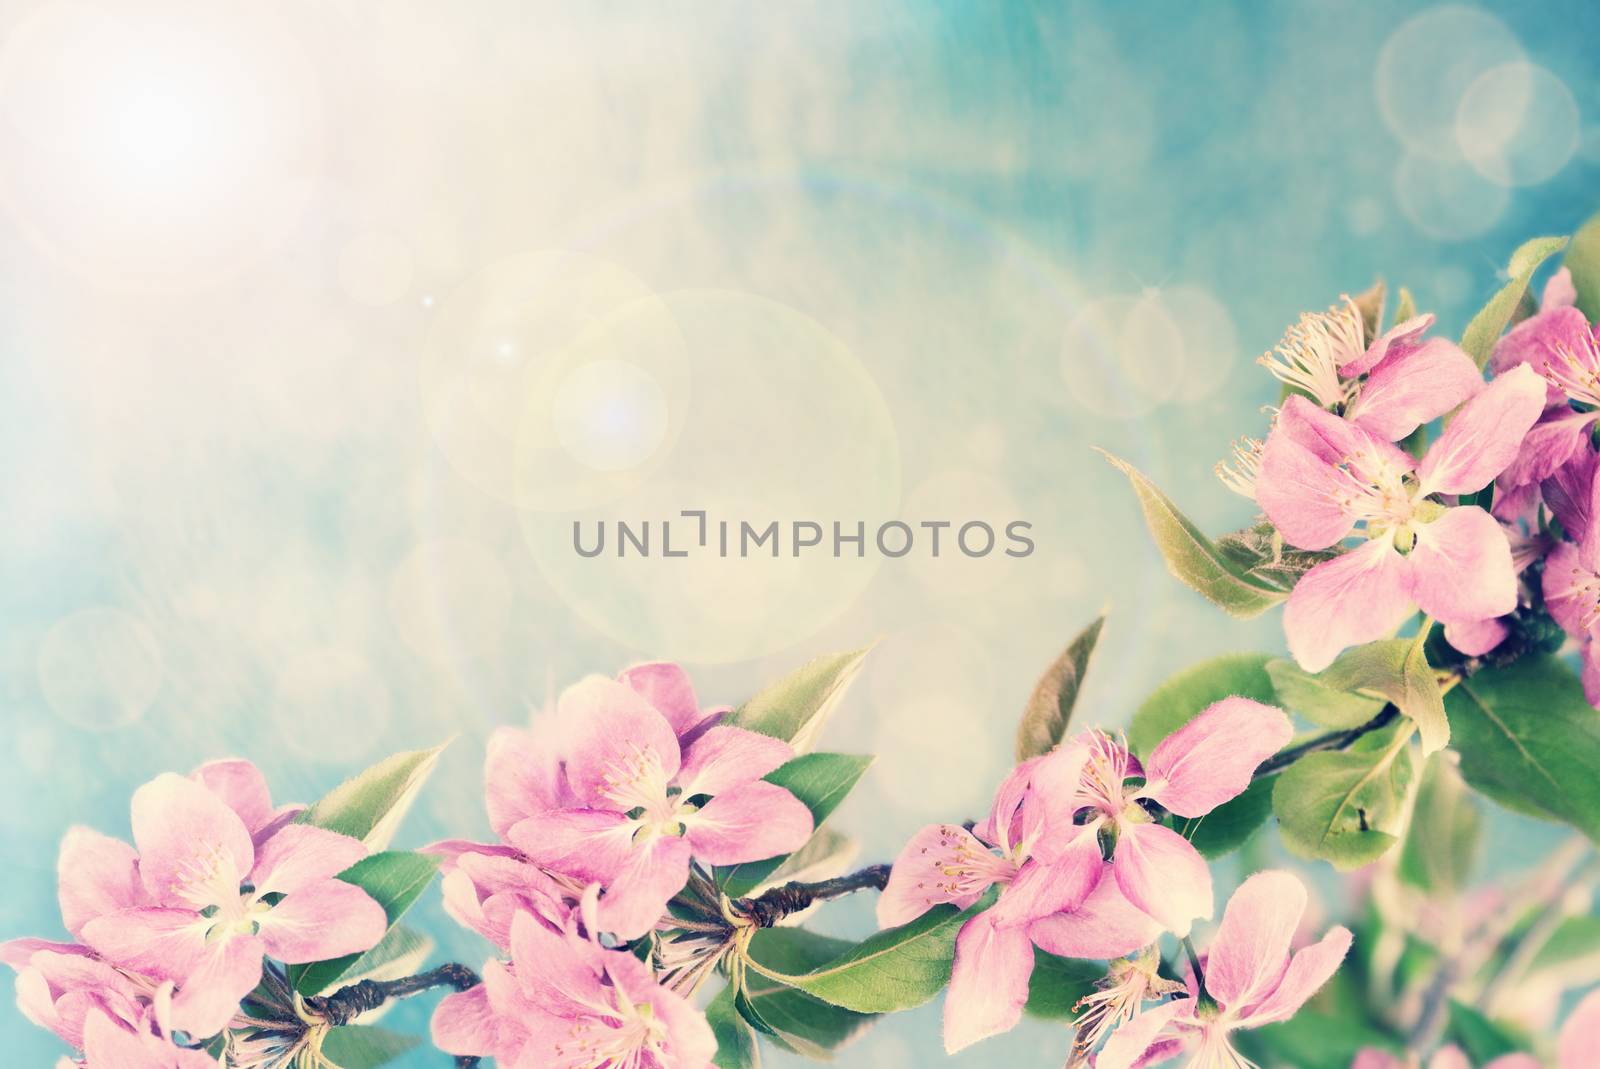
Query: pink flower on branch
x=1323 y=479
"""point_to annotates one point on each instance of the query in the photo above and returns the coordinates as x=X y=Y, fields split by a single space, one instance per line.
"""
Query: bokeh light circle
x=1426 y=66
x=610 y=415
x=1123 y=355
x=100 y=668
x=1448 y=199
x=1518 y=124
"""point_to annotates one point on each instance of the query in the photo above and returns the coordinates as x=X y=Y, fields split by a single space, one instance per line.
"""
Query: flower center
x=1311 y=352
x=1576 y=372
x=1386 y=498
x=596 y=1043
x=636 y=779
x=1102 y=785
x=208 y=878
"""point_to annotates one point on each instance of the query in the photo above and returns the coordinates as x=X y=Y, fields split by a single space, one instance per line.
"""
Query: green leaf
x=1486 y=327
x=1529 y=740
x=1583 y=260
x=1058 y=983
x=1442 y=841
x=1370 y=304
x=370 y=805
x=1049 y=708
x=1230 y=825
x=797 y=1021
x=736 y=1043
x=1192 y=557
x=821 y=781
x=395 y=879
x=360 y=1046
x=1313 y=1040
x=894 y=969
x=1406 y=308
x=1482 y=1039
x=1396 y=669
x=1571 y=952
x=795 y=707
x=1312 y=697
x=1181 y=698
x=1346 y=807
x=825 y=855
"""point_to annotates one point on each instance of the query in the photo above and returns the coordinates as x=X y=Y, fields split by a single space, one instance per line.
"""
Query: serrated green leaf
x=1346 y=807
x=795 y=707
x=1058 y=983
x=1396 y=669
x=360 y=1046
x=1442 y=841
x=1312 y=697
x=1181 y=698
x=1529 y=740
x=736 y=1042
x=1192 y=557
x=370 y=805
x=797 y=1021
x=1486 y=327
x=821 y=781
x=395 y=879
x=1583 y=260
x=1049 y=708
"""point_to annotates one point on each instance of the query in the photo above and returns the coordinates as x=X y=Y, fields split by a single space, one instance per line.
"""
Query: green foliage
x=369 y=806
x=361 y=1046
x=1049 y=708
x=1396 y=669
x=821 y=781
x=1482 y=1039
x=1446 y=828
x=1583 y=260
x=395 y=879
x=1490 y=322
x=1314 y=698
x=1347 y=806
x=1313 y=1040
x=796 y=1021
x=1058 y=983
x=1230 y=825
x=736 y=1042
x=1182 y=697
x=1529 y=740
x=795 y=707
x=1194 y=558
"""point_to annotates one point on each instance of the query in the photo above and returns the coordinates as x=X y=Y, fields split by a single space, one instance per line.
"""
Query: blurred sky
x=323 y=320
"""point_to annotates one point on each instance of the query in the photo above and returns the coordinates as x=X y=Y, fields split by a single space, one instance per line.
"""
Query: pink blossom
x=1322 y=479
x=141 y=1044
x=1560 y=344
x=485 y=887
x=1042 y=845
x=563 y=1002
x=1251 y=979
x=1576 y=1047
x=221 y=882
x=648 y=782
x=60 y=984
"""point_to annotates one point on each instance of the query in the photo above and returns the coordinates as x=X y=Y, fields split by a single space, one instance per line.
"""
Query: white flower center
x=1311 y=352
x=595 y=1043
x=1576 y=372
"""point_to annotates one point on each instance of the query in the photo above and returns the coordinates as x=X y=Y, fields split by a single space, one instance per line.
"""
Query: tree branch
x=773 y=906
x=348 y=1003
x=1333 y=740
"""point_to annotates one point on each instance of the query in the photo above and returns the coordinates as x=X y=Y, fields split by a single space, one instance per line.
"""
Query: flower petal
x=107 y=1043
x=623 y=752
x=1354 y=598
x=1478 y=637
x=193 y=849
x=1485 y=436
x=1212 y=758
x=1106 y=925
x=96 y=875
x=1161 y=873
x=590 y=844
x=1308 y=970
x=1393 y=345
x=241 y=786
x=1535 y=341
x=464 y=1024
x=521 y=778
x=637 y=898
x=1573 y=495
x=748 y=823
x=302 y=854
x=1251 y=949
x=1128 y=1045
x=163 y=943
x=1558 y=437
x=1461 y=569
x=321 y=921
x=665 y=686
x=1042 y=888
x=1001 y=827
x=209 y=997
x=1406 y=391
x=1580 y=1036
x=1302 y=494
x=988 y=982
x=557 y=969
x=923 y=875
x=727 y=757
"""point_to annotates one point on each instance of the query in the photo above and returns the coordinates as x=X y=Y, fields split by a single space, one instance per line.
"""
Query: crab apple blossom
x=60 y=984
x=1251 y=979
x=1323 y=478
x=650 y=783
x=564 y=1002
x=212 y=901
x=143 y=1044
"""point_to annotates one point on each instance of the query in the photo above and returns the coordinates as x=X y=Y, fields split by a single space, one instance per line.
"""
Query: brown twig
x=769 y=908
x=1333 y=740
x=348 y=1003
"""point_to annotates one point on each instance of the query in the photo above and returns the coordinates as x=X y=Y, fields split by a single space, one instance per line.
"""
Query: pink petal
x=1212 y=758
x=96 y=875
x=1354 y=598
x=999 y=828
x=302 y=854
x=1580 y=1036
x=1162 y=874
x=1516 y=1060
x=109 y=1044
x=1534 y=342
x=209 y=996
x=1046 y=829
x=1301 y=493
x=1573 y=494
x=590 y=844
x=1326 y=436
x=1106 y=925
x=164 y=943
x=1558 y=437
x=1372 y=1058
x=521 y=778
x=1128 y=1045
x=241 y=786
x=1461 y=567
x=1309 y=969
x=18 y=953
x=1251 y=949
x=1396 y=343
x=623 y=752
x=322 y=921
x=1476 y=638
x=666 y=687
x=464 y=1024
x=988 y=982
x=1042 y=888
x=1559 y=292
x=557 y=970
x=689 y=1040
x=1591 y=673
x=1485 y=436
x=193 y=849
x=919 y=879
x=748 y=823
x=727 y=757
x=1402 y=394
x=637 y=898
